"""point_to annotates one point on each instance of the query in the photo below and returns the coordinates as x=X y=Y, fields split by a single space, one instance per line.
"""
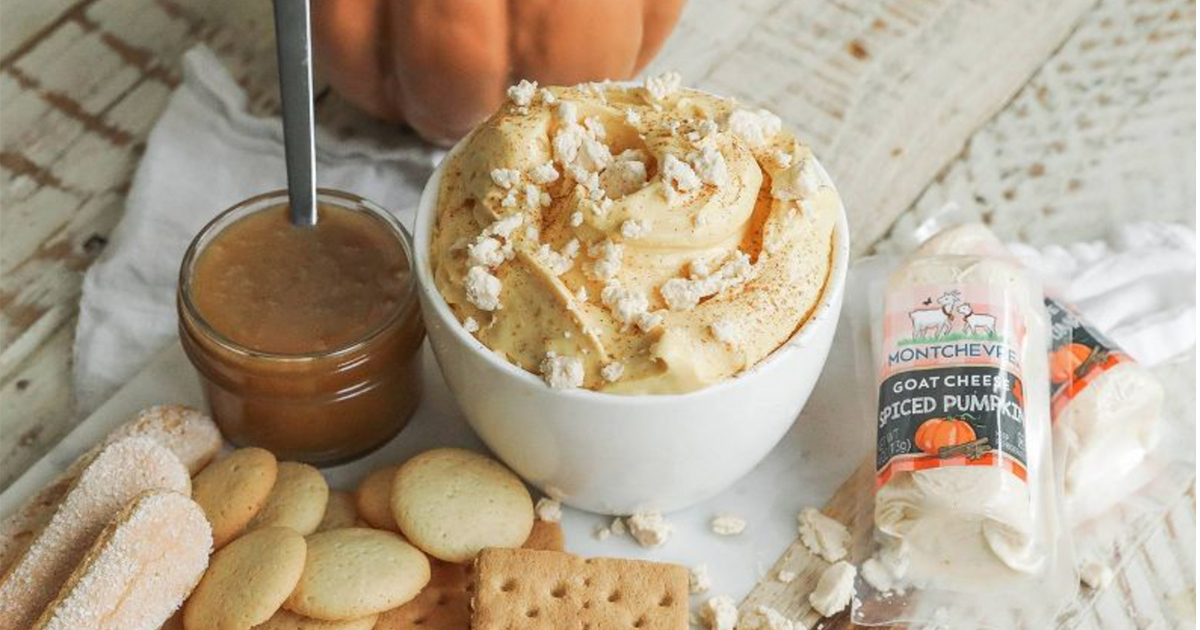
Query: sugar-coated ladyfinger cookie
x=119 y=473
x=190 y=434
x=140 y=570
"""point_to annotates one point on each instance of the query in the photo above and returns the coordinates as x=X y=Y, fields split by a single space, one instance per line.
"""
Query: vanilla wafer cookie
x=190 y=434
x=297 y=500
x=373 y=498
x=247 y=581
x=140 y=570
x=120 y=472
x=232 y=490
x=340 y=512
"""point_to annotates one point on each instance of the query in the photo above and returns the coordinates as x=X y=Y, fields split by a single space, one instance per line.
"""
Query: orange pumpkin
x=935 y=433
x=1066 y=360
x=443 y=66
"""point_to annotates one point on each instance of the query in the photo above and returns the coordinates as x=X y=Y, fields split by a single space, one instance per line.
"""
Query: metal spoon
x=293 y=44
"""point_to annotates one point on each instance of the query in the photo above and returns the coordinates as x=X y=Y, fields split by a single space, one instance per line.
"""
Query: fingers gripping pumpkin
x=444 y=66
x=1066 y=360
x=935 y=433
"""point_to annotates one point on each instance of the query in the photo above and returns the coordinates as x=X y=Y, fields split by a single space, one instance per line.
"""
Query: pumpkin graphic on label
x=1066 y=360
x=936 y=433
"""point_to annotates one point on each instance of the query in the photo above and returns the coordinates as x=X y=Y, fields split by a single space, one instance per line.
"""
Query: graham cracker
x=445 y=603
x=548 y=590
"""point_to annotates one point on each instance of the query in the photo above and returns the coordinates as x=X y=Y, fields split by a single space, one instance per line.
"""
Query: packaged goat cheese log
x=968 y=524
x=1106 y=408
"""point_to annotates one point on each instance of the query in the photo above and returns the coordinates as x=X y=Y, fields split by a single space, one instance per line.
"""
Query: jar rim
x=266 y=201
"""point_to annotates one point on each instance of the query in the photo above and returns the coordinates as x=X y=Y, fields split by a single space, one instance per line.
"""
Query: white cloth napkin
x=205 y=154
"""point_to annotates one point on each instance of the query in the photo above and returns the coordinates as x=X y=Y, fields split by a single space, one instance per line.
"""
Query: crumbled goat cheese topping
x=487 y=252
x=698 y=579
x=728 y=525
x=709 y=165
x=686 y=293
x=547 y=96
x=576 y=219
x=629 y=306
x=795 y=182
x=725 y=331
x=483 y=289
x=822 y=535
x=561 y=372
x=678 y=177
x=506 y=178
x=625 y=175
x=783 y=159
x=612 y=372
x=635 y=228
x=834 y=590
x=649 y=528
x=661 y=86
x=756 y=128
x=632 y=117
x=522 y=93
x=719 y=613
x=558 y=263
x=544 y=173
x=470 y=325
x=607 y=263
x=581 y=294
x=548 y=509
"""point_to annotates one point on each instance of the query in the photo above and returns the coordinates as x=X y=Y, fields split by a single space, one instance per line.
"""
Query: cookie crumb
x=698 y=579
x=719 y=613
x=649 y=528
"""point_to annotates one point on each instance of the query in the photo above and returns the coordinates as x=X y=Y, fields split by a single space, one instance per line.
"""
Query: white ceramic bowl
x=616 y=454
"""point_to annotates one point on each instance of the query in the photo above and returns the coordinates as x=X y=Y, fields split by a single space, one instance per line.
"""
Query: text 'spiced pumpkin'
x=1067 y=359
x=444 y=66
x=935 y=433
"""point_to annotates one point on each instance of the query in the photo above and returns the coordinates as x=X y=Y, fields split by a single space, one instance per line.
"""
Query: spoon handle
x=293 y=44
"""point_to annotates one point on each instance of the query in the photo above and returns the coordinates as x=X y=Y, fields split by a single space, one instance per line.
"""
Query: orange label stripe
x=1068 y=393
x=909 y=463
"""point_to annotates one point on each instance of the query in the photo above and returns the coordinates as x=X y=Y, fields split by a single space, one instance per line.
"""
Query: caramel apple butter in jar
x=306 y=339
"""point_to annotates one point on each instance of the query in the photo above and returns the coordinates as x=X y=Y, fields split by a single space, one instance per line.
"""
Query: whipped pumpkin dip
x=635 y=240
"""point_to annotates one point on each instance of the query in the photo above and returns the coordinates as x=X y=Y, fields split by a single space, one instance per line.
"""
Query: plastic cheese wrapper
x=969 y=529
x=1126 y=449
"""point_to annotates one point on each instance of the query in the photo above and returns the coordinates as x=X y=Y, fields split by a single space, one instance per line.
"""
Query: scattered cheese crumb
x=548 y=509
x=506 y=178
x=618 y=527
x=561 y=372
x=625 y=175
x=558 y=263
x=522 y=93
x=834 y=590
x=632 y=117
x=795 y=182
x=725 y=331
x=629 y=306
x=635 y=228
x=547 y=96
x=661 y=86
x=581 y=294
x=877 y=575
x=683 y=294
x=728 y=525
x=470 y=325
x=1096 y=575
x=709 y=164
x=544 y=173
x=607 y=255
x=822 y=535
x=756 y=128
x=486 y=252
x=720 y=613
x=785 y=576
x=483 y=289
x=678 y=176
x=612 y=372
x=698 y=579
x=601 y=532
x=576 y=219
x=649 y=528
x=767 y=618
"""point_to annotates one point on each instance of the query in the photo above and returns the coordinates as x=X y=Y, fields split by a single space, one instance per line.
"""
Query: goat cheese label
x=1078 y=355
x=950 y=389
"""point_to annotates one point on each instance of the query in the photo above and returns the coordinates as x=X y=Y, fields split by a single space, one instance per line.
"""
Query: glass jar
x=322 y=406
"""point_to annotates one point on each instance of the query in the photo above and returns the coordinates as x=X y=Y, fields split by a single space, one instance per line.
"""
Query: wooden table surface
x=1052 y=119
